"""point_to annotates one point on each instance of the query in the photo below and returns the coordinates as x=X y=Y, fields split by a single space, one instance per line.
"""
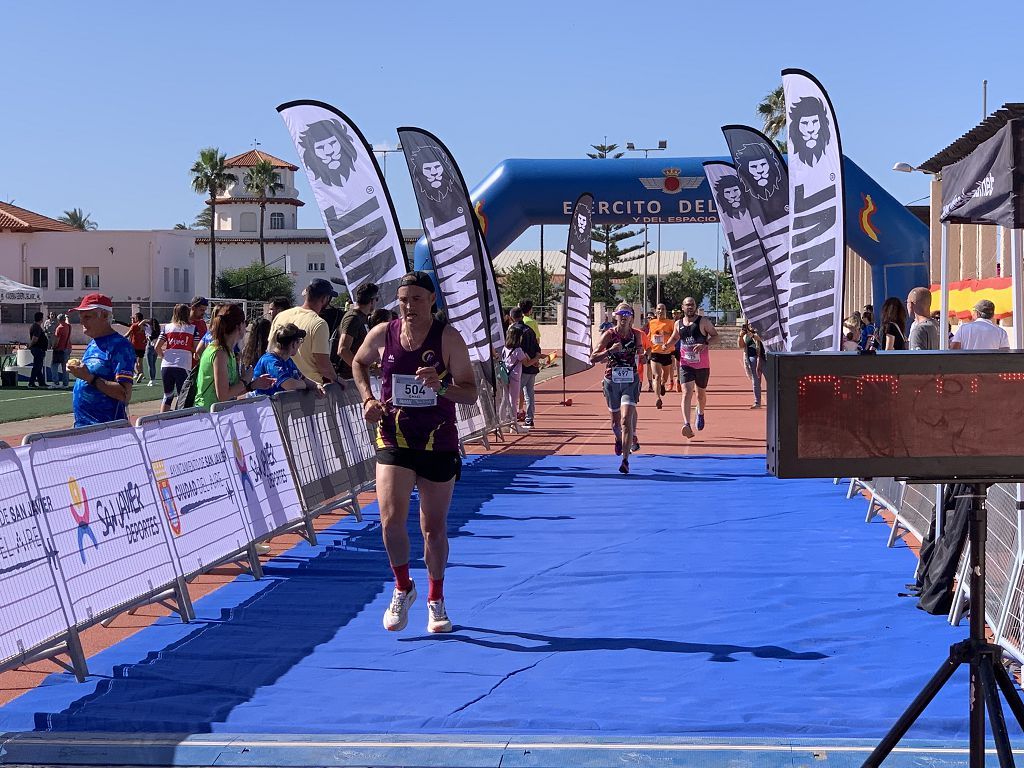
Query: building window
x=90 y=277
x=315 y=263
x=184 y=281
x=41 y=277
x=65 y=277
x=247 y=222
x=277 y=221
x=167 y=279
x=177 y=280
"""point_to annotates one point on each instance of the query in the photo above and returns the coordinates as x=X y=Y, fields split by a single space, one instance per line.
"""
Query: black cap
x=200 y=301
x=319 y=288
x=419 y=279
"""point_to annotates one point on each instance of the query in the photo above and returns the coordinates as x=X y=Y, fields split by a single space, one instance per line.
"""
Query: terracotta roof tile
x=253 y=156
x=223 y=240
x=15 y=219
x=251 y=200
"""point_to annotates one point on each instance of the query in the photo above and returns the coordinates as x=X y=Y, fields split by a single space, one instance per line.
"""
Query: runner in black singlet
x=622 y=349
x=425 y=370
x=694 y=333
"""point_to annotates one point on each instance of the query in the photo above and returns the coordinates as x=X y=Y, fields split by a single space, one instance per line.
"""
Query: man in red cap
x=104 y=375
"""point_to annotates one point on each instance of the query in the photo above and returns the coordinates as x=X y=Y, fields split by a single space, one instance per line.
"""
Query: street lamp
x=631 y=147
x=904 y=168
x=384 y=157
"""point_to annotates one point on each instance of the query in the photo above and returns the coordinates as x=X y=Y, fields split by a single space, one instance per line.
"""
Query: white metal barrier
x=105 y=519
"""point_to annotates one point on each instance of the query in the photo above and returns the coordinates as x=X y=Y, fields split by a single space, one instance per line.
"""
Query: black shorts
x=140 y=353
x=661 y=358
x=699 y=376
x=435 y=466
x=675 y=354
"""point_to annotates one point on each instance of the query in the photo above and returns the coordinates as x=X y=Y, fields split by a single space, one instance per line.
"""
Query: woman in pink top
x=513 y=356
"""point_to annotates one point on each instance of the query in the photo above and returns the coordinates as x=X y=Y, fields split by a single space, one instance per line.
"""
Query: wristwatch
x=442 y=389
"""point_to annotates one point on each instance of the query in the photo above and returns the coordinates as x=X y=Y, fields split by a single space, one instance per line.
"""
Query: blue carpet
x=696 y=597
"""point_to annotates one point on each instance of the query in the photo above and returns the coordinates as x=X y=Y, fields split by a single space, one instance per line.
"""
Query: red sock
x=402 y=580
x=436 y=591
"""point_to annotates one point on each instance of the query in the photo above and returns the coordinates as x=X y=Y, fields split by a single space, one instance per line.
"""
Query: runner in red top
x=425 y=370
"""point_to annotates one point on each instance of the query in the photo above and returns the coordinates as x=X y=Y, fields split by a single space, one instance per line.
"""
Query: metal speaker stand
x=988 y=675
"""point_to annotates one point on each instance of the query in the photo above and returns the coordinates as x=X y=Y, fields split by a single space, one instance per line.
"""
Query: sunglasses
x=624 y=313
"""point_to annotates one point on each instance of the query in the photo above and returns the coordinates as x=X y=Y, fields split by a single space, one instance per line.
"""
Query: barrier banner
x=258 y=464
x=456 y=245
x=358 y=439
x=107 y=528
x=314 y=442
x=751 y=269
x=354 y=201
x=577 y=345
x=31 y=610
x=765 y=176
x=817 y=229
x=194 y=488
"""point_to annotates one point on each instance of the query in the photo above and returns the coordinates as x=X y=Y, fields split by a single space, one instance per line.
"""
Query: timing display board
x=924 y=415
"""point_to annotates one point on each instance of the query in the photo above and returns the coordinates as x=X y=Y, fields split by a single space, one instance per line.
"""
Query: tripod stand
x=988 y=676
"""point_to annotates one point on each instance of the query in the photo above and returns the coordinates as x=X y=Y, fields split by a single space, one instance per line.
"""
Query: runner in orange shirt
x=660 y=330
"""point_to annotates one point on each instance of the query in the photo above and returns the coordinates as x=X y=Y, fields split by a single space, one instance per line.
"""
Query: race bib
x=689 y=354
x=658 y=339
x=410 y=392
x=622 y=375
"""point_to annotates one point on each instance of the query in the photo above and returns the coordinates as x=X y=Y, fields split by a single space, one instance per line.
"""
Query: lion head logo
x=759 y=168
x=580 y=223
x=434 y=177
x=730 y=196
x=328 y=151
x=809 y=129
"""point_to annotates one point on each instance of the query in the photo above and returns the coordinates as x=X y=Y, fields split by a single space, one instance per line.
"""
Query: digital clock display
x=896 y=414
x=911 y=415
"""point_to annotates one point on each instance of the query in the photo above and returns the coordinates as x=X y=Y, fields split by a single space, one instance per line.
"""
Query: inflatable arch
x=520 y=193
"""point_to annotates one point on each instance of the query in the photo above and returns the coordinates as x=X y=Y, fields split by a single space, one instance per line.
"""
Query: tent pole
x=940 y=513
x=1018 y=288
x=944 y=290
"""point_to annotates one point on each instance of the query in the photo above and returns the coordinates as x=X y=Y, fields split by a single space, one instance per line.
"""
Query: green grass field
x=23 y=403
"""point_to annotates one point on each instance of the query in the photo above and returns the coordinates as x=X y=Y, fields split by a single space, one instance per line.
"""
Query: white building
x=303 y=253
x=132 y=267
x=151 y=270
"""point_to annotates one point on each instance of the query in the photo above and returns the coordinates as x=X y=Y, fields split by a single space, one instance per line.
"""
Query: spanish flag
x=964 y=294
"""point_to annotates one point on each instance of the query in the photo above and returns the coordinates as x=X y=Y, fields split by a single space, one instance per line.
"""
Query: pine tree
x=609 y=237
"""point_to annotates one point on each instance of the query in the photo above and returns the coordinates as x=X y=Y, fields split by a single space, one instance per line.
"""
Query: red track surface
x=732 y=428
x=583 y=427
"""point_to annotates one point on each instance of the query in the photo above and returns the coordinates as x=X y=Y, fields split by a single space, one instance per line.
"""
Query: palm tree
x=773 y=112
x=263 y=181
x=79 y=220
x=181 y=225
x=203 y=219
x=210 y=177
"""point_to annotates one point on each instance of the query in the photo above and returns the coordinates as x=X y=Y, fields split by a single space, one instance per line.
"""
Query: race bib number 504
x=409 y=392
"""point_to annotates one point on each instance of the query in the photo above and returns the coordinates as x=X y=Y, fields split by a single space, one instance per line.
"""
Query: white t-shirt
x=981 y=334
x=179 y=344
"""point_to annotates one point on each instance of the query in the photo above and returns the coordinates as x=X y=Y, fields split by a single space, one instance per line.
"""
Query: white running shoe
x=396 y=617
x=437 y=617
x=152 y=383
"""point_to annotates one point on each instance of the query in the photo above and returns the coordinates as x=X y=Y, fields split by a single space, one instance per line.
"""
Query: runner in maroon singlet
x=621 y=348
x=425 y=371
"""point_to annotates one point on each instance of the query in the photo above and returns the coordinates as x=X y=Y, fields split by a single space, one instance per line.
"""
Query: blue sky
x=105 y=105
